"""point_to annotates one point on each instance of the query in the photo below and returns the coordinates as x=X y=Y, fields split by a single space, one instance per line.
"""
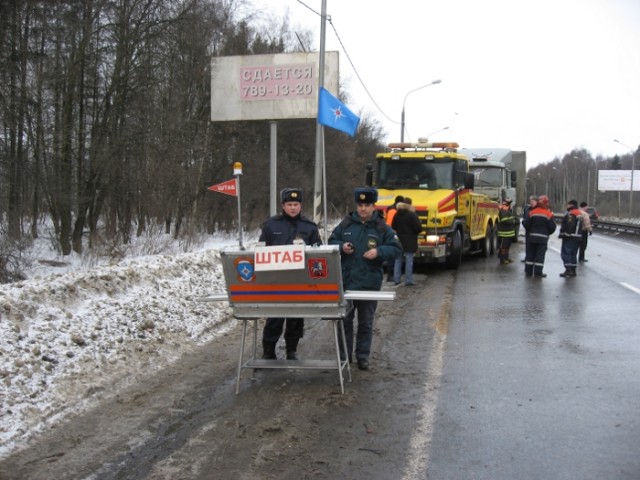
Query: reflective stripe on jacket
x=539 y=225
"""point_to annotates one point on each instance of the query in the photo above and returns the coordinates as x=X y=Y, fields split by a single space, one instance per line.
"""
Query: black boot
x=566 y=273
x=269 y=350
x=573 y=271
x=292 y=347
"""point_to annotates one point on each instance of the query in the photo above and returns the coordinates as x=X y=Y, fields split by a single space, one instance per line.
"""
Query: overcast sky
x=544 y=76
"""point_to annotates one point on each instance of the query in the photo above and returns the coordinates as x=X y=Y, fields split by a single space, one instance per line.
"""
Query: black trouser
x=292 y=332
x=504 y=244
x=534 y=260
x=583 y=245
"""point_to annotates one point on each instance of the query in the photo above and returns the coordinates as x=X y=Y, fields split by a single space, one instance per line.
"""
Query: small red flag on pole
x=228 y=187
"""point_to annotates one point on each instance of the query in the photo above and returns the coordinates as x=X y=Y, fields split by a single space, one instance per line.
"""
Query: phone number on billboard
x=276 y=91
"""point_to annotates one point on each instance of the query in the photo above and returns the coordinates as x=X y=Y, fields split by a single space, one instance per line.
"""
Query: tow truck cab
x=455 y=220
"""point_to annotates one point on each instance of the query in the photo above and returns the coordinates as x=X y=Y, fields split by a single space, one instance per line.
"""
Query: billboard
x=269 y=87
x=618 y=180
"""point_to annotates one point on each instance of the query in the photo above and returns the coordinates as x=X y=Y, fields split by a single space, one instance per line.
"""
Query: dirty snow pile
x=66 y=337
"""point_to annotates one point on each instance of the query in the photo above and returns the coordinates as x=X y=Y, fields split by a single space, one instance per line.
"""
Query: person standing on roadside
x=533 y=202
x=571 y=235
x=539 y=225
x=287 y=228
x=507 y=224
x=388 y=217
x=587 y=230
x=365 y=242
x=392 y=209
x=407 y=226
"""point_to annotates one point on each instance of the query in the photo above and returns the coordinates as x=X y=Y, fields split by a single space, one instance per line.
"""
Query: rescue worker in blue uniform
x=539 y=225
x=287 y=228
x=571 y=235
x=365 y=242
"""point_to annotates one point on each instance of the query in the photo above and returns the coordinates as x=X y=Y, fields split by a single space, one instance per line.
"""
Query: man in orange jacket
x=539 y=225
x=571 y=235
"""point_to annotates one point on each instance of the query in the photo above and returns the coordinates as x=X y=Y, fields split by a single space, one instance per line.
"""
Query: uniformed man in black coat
x=287 y=228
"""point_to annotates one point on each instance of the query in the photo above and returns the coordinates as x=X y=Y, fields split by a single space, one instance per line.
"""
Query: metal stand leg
x=344 y=347
x=339 y=362
x=338 y=324
x=255 y=338
x=255 y=347
x=244 y=334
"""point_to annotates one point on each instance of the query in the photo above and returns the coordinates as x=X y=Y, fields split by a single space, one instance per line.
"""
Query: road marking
x=420 y=442
x=630 y=287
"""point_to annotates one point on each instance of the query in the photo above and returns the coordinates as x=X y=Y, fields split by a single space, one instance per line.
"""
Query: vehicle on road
x=500 y=173
x=593 y=213
x=456 y=220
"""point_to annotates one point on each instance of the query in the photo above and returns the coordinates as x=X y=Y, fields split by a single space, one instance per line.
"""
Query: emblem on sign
x=317 y=267
x=245 y=269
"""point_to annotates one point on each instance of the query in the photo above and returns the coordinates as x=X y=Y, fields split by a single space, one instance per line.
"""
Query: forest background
x=105 y=128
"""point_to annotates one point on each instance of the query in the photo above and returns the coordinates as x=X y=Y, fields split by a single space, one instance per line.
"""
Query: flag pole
x=237 y=171
x=319 y=186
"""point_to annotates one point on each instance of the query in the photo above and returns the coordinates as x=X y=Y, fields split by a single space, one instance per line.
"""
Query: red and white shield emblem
x=317 y=267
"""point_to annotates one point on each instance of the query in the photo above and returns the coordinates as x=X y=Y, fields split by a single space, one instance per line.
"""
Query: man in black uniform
x=287 y=228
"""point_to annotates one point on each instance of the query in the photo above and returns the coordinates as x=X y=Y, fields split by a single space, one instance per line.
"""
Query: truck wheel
x=455 y=258
x=488 y=242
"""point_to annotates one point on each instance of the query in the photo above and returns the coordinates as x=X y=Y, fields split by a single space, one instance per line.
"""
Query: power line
x=335 y=31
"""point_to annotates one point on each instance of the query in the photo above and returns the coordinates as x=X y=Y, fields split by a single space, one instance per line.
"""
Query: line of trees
x=575 y=176
x=104 y=121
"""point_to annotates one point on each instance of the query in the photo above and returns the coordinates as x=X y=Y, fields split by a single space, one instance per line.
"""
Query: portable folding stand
x=315 y=291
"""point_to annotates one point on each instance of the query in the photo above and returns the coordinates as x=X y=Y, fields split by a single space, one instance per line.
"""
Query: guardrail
x=619 y=227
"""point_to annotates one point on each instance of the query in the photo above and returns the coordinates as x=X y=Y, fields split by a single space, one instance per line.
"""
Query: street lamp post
x=435 y=82
x=595 y=184
x=588 y=176
x=437 y=131
x=633 y=167
x=533 y=182
x=564 y=189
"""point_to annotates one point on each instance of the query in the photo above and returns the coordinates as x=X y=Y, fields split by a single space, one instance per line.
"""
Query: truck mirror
x=368 y=178
x=469 y=180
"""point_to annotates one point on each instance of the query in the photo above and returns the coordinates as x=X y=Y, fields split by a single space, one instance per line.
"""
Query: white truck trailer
x=499 y=173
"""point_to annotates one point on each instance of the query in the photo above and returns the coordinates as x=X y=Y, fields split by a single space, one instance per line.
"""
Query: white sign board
x=269 y=87
x=279 y=257
x=618 y=180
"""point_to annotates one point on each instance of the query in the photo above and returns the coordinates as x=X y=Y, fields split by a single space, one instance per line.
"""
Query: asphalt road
x=541 y=377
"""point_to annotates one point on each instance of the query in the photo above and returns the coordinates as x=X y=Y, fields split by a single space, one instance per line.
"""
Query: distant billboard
x=618 y=180
x=269 y=87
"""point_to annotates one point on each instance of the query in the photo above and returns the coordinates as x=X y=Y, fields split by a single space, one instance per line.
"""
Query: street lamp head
x=435 y=82
x=624 y=145
x=437 y=131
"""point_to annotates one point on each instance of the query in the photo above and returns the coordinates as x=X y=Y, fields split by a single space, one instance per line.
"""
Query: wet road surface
x=541 y=377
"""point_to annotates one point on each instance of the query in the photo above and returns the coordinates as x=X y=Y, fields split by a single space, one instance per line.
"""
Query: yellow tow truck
x=456 y=221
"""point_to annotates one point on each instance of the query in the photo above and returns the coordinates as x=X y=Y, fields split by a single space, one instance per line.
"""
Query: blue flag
x=335 y=114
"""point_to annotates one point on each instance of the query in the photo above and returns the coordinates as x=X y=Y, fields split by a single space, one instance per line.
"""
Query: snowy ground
x=71 y=334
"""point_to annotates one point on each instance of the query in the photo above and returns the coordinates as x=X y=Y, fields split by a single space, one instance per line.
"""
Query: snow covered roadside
x=69 y=339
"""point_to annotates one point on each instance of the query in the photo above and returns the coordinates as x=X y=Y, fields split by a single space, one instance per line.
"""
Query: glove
x=590 y=232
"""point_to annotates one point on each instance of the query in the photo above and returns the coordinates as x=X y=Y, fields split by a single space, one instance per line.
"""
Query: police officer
x=287 y=228
x=365 y=242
